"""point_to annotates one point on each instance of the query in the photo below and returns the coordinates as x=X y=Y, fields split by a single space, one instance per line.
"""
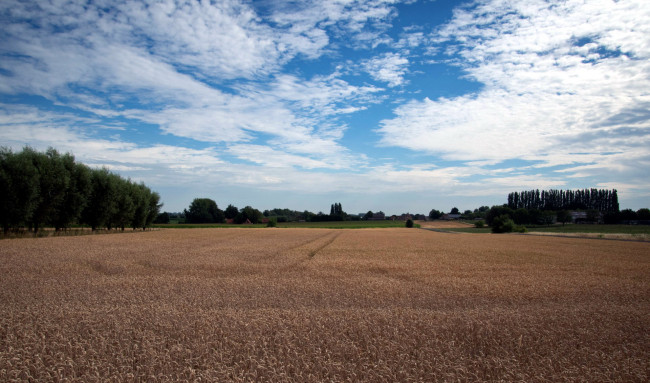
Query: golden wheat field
x=318 y=305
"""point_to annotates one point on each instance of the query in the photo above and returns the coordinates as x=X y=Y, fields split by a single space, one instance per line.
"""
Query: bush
x=520 y=229
x=162 y=218
x=479 y=224
x=409 y=223
x=503 y=224
x=272 y=223
x=547 y=217
x=497 y=211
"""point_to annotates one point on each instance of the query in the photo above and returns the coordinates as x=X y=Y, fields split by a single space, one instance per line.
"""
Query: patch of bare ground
x=616 y=236
x=440 y=224
x=312 y=305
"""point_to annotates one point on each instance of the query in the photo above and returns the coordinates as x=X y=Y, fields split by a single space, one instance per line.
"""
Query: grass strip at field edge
x=605 y=235
x=295 y=225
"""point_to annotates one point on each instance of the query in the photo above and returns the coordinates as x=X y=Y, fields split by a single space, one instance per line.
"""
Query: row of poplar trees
x=52 y=190
x=602 y=200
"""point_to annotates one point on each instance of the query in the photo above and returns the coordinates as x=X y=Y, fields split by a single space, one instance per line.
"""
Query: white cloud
x=158 y=62
x=172 y=164
x=117 y=168
x=20 y=126
x=273 y=170
x=390 y=68
x=362 y=22
x=565 y=87
x=267 y=168
x=410 y=39
x=559 y=78
x=223 y=39
x=66 y=60
x=321 y=95
x=268 y=157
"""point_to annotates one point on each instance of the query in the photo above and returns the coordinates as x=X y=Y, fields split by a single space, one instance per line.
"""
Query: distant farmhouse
x=579 y=216
x=405 y=217
x=586 y=217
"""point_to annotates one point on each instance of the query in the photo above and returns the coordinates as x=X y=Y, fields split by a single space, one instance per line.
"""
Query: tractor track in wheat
x=314 y=305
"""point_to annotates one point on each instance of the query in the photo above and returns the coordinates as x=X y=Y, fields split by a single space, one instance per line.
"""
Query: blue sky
x=400 y=106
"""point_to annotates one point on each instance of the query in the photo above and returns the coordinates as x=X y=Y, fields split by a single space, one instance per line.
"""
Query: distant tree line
x=51 y=189
x=506 y=218
x=336 y=214
x=643 y=214
x=478 y=213
x=205 y=210
x=602 y=200
x=286 y=215
x=524 y=216
x=371 y=215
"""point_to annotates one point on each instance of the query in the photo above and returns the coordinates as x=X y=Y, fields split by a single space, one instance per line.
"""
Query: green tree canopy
x=231 y=212
x=38 y=189
x=337 y=213
x=643 y=214
x=628 y=215
x=249 y=213
x=162 y=218
x=435 y=214
x=154 y=205
x=19 y=188
x=204 y=210
x=502 y=224
x=496 y=211
x=521 y=216
x=76 y=195
x=101 y=202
